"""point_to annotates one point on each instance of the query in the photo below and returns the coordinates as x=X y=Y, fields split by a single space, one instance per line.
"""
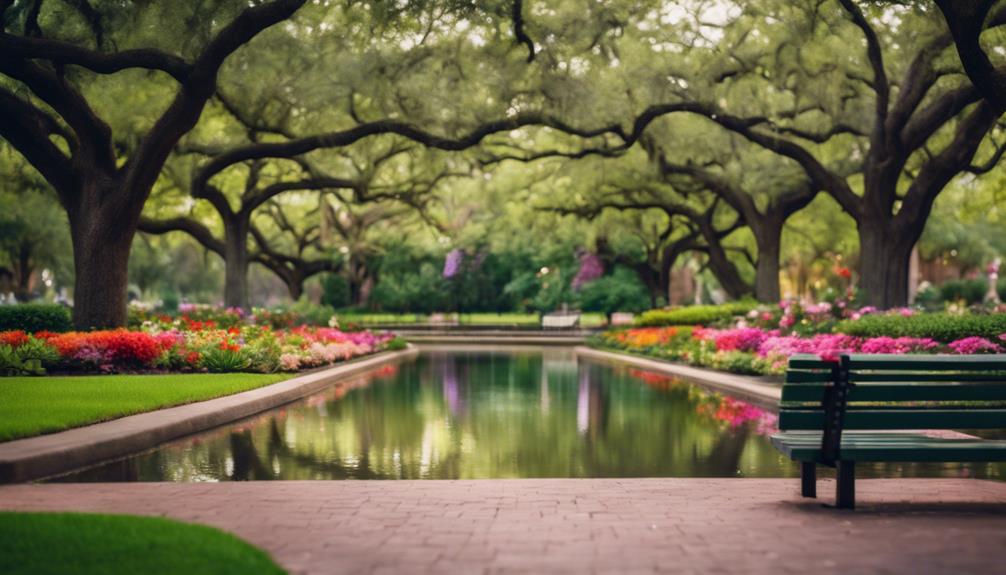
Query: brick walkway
x=577 y=525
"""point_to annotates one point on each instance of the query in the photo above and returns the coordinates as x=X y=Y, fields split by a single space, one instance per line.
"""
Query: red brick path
x=577 y=525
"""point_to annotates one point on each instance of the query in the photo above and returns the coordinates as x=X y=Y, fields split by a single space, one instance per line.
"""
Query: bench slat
x=808 y=361
x=902 y=392
x=881 y=418
x=914 y=377
x=807 y=376
x=860 y=361
x=892 y=447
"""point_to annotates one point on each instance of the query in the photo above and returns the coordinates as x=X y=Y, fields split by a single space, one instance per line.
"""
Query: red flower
x=13 y=338
x=843 y=272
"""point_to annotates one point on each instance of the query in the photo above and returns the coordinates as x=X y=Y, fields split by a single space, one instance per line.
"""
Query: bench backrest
x=898 y=392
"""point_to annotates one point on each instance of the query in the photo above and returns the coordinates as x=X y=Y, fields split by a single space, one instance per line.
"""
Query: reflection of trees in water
x=479 y=415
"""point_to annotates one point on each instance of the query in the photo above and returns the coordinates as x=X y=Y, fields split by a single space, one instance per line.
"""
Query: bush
x=942 y=327
x=621 y=291
x=971 y=291
x=695 y=315
x=32 y=317
x=396 y=344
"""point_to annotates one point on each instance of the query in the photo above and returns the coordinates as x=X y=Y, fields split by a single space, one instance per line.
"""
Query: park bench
x=560 y=320
x=888 y=408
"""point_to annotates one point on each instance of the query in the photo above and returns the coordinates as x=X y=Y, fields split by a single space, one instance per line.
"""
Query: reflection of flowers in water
x=716 y=406
x=656 y=380
x=385 y=372
x=451 y=387
x=736 y=413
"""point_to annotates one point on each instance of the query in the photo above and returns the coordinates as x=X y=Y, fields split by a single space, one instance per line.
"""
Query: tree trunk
x=236 y=263
x=769 y=240
x=885 y=255
x=295 y=285
x=101 y=240
x=24 y=271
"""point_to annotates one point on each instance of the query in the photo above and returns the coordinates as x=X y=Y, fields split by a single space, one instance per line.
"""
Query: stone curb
x=48 y=455
x=742 y=387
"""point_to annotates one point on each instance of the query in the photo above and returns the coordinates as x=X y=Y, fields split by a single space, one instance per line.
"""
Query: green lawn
x=36 y=405
x=521 y=319
x=87 y=544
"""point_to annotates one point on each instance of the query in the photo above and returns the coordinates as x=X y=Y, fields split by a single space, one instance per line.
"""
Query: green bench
x=872 y=408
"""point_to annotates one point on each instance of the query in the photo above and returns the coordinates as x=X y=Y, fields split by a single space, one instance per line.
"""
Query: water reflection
x=488 y=415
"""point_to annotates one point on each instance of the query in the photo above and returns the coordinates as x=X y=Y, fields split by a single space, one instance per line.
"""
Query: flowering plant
x=188 y=345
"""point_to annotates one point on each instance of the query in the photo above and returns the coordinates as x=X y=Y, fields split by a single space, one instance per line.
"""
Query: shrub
x=621 y=291
x=396 y=344
x=696 y=314
x=942 y=327
x=971 y=291
x=32 y=317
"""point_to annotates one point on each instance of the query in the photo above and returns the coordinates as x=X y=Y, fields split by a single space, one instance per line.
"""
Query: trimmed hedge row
x=695 y=314
x=33 y=317
x=942 y=327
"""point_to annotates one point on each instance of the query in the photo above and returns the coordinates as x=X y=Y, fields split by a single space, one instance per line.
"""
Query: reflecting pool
x=480 y=414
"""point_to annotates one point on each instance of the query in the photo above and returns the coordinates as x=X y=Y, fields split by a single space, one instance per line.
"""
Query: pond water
x=479 y=414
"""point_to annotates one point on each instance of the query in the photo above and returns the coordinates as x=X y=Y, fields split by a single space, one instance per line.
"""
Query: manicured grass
x=521 y=319
x=36 y=405
x=87 y=544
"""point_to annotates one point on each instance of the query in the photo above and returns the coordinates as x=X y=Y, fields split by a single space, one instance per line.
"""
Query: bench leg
x=808 y=479
x=846 y=490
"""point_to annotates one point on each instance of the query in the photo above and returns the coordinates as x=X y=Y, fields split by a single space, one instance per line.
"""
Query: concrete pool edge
x=47 y=455
x=742 y=387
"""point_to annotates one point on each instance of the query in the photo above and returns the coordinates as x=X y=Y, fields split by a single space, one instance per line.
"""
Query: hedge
x=695 y=314
x=32 y=317
x=942 y=327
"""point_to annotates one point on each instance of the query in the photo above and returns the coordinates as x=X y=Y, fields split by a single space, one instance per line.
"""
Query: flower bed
x=185 y=345
x=762 y=341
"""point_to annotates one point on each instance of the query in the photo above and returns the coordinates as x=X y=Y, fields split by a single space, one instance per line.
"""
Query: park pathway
x=576 y=525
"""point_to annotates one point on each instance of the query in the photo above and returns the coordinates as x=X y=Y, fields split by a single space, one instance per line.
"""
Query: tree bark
x=885 y=254
x=24 y=269
x=769 y=241
x=236 y=260
x=102 y=236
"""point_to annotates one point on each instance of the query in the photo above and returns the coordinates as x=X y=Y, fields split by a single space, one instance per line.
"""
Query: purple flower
x=452 y=264
x=591 y=269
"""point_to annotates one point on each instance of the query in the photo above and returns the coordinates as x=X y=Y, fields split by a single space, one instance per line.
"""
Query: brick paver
x=577 y=525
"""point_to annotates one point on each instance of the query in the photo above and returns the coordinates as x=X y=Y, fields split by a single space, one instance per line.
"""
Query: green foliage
x=12 y=362
x=29 y=358
x=396 y=344
x=311 y=313
x=621 y=291
x=225 y=360
x=970 y=291
x=741 y=362
x=169 y=301
x=335 y=291
x=942 y=327
x=695 y=315
x=419 y=291
x=33 y=317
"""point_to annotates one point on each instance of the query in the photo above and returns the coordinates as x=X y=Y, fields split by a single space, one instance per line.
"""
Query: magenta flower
x=452 y=264
x=591 y=268
x=886 y=344
x=973 y=345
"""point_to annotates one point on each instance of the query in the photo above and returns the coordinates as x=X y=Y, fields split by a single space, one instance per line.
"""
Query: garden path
x=576 y=525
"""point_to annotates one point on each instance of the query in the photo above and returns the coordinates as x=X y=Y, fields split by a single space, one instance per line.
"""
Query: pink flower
x=973 y=345
x=886 y=344
x=741 y=339
x=289 y=362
